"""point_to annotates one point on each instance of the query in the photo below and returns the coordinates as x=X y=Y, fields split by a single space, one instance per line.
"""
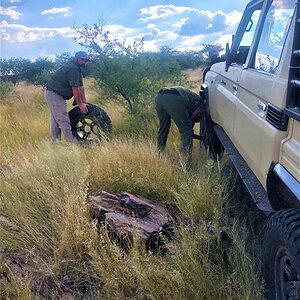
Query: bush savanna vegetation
x=51 y=248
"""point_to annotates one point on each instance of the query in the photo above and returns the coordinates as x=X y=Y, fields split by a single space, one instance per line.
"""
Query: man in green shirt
x=185 y=108
x=65 y=83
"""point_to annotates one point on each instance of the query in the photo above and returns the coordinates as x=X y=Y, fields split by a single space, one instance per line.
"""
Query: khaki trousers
x=59 y=118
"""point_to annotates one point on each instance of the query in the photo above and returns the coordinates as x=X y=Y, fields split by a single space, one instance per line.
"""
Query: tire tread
x=283 y=227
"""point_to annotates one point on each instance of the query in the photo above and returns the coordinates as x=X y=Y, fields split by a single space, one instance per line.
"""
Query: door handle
x=223 y=82
x=261 y=106
x=235 y=88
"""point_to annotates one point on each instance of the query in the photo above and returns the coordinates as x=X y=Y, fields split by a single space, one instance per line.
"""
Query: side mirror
x=228 y=57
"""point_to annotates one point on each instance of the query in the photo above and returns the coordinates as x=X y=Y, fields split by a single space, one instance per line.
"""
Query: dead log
x=132 y=217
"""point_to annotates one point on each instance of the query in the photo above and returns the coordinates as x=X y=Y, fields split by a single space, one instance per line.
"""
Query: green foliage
x=124 y=71
x=128 y=74
x=212 y=48
x=42 y=77
x=136 y=79
x=19 y=69
x=6 y=90
x=211 y=52
x=185 y=59
x=10 y=69
x=38 y=69
x=63 y=58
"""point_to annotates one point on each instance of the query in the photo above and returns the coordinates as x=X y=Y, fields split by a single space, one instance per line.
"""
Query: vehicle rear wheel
x=92 y=126
x=281 y=256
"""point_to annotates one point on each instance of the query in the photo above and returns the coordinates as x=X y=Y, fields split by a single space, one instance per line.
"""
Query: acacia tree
x=125 y=70
x=62 y=58
x=19 y=69
x=211 y=50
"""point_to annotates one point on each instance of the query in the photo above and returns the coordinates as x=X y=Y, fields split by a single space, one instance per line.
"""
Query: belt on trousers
x=48 y=89
x=169 y=91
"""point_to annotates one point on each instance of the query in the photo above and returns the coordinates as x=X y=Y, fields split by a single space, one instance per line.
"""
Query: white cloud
x=151 y=46
x=151 y=26
x=224 y=38
x=218 y=27
x=195 y=21
x=10 y=12
x=169 y=35
x=118 y=30
x=159 y=35
x=163 y=11
x=232 y=19
x=15 y=1
x=66 y=11
x=17 y=33
x=192 y=43
x=179 y=23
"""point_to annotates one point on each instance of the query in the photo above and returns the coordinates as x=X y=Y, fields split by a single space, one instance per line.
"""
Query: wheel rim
x=286 y=277
x=88 y=129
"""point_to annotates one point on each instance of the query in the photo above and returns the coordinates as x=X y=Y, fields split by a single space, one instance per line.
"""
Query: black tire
x=94 y=125
x=209 y=139
x=281 y=256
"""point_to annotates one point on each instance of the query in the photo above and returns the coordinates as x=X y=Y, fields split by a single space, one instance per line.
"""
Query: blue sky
x=33 y=28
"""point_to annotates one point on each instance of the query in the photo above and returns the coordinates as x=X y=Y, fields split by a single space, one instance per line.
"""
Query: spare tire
x=94 y=125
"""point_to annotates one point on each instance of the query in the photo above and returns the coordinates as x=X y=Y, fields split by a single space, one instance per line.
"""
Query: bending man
x=184 y=107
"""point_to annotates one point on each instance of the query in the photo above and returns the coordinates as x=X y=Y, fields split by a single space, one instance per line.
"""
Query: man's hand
x=83 y=107
x=79 y=95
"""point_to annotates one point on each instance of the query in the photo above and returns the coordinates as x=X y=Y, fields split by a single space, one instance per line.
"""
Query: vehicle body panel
x=239 y=101
x=290 y=150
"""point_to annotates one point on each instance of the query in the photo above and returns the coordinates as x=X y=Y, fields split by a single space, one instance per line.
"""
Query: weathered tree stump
x=132 y=217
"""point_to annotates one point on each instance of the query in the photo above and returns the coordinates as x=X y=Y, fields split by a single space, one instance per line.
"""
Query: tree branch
x=121 y=90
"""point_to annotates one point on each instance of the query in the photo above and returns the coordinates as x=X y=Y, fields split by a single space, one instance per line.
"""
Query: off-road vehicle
x=252 y=102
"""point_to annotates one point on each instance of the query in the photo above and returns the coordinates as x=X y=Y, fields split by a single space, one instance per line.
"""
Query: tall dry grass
x=23 y=120
x=44 y=218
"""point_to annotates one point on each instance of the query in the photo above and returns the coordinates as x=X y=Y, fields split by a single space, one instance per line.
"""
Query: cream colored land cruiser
x=253 y=112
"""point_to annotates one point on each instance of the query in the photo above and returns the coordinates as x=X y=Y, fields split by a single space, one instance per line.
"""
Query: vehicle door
x=222 y=82
x=260 y=123
x=290 y=147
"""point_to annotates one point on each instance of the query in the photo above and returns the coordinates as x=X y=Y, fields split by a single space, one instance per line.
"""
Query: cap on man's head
x=82 y=54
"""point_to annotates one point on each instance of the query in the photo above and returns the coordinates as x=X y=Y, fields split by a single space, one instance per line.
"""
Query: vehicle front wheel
x=209 y=139
x=281 y=256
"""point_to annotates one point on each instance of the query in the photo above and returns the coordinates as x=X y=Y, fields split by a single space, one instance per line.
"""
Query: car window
x=274 y=33
x=246 y=41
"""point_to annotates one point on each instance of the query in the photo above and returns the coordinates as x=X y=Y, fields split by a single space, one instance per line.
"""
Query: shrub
x=7 y=90
x=43 y=77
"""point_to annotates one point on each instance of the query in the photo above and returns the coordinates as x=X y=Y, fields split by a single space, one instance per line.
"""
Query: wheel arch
x=283 y=189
